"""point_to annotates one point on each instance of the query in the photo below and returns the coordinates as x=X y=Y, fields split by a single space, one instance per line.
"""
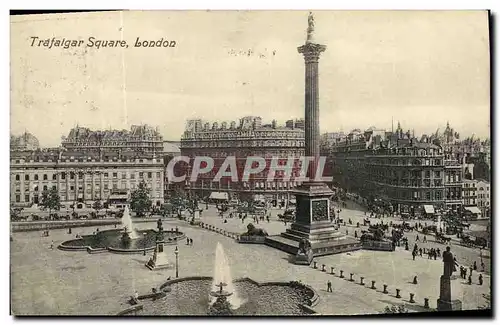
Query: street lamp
x=144 y=234
x=176 y=261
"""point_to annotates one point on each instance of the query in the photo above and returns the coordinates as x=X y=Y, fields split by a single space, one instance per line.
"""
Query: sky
x=422 y=68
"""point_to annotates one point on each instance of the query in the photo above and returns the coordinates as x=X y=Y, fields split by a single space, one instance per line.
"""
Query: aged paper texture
x=250 y=163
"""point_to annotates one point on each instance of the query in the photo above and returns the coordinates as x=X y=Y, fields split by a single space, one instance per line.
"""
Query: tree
x=97 y=206
x=140 y=201
x=50 y=200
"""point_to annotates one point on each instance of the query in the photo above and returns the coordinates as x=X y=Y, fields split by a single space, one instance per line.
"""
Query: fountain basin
x=111 y=241
x=190 y=296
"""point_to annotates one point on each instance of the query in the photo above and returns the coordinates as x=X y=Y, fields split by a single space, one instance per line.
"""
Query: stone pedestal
x=195 y=218
x=449 y=293
x=304 y=259
x=312 y=222
x=159 y=259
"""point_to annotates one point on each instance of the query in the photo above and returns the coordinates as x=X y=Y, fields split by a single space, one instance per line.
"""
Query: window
x=26 y=197
x=36 y=189
x=427 y=174
x=72 y=176
x=80 y=175
x=36 y=177
x=141 y=175
x=428 y=195
x=132 y=176
x=115 y=175
x=106 y=186
x=158 y=175
x=45 y=177
x=150 y=174
x=18 y=178
x=124 y=175
x=18 y=198
x=54 y=187
x=438 y=195
x=437 y=174
x=437 y=162
x=72 y=188
x=45 y=187
x=63 y=176
x=106 y=175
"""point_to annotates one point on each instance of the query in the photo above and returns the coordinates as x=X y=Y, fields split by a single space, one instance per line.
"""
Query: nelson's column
x=313 y=233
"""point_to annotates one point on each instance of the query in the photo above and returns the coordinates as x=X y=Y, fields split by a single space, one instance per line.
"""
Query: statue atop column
x=449 y=263
x=449 y=285
x=310 y=28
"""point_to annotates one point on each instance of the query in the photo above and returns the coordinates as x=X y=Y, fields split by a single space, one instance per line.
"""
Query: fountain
x=222 y=274
x=127 y=224
x=188 y=296
x=221 y=306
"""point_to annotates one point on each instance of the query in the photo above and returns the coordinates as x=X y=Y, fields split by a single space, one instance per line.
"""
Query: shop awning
x=118 y=197
x=429 y=209
x=474 y=210
x=219 y=196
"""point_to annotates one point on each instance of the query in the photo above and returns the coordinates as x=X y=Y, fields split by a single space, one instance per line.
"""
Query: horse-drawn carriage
x=288 y=215
x=440 y=238
x=429 y=229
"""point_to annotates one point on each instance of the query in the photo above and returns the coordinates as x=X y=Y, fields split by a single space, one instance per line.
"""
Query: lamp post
x=144 y=234
x=176 y=261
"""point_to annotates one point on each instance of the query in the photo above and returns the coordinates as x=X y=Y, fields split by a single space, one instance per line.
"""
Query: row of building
x=407 y=174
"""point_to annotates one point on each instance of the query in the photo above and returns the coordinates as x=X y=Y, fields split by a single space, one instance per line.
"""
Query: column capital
x=311 y=51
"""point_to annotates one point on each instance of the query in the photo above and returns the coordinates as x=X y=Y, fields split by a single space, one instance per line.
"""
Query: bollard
x=331 y=270
x=397 y=293
x=315 y=266
x=373 y=285
x=385 y=289
x=361 y=280
x=323 y=268
x=426 y=302
x=411 y=297
x=351 y=279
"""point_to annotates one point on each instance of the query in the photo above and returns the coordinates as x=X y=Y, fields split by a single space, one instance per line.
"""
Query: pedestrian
x=418 y=239
x=482 y=266
x=191 y=241
x=414 y=254
x=480 y=279
x=475 y=266
x=346 y=232
x=470 y=279
x=425 y=239
x=470 y=270
x=52 y=245
x=415 y=281
x=355 y=234
x=438 y=252
x=420 y=251
x=187 y=240
x=329 y=286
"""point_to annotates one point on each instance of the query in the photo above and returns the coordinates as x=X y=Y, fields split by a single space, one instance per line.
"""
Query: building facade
x=483 y=197
x=247 y=138
x=469 y=193
x=140 y=140
x=84 y=172
x=83 y=180
x=405 y=174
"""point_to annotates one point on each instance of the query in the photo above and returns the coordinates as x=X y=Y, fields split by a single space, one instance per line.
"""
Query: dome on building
x=25 y=141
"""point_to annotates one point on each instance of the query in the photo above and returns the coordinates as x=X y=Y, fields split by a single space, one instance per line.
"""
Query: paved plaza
x=49 y=281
